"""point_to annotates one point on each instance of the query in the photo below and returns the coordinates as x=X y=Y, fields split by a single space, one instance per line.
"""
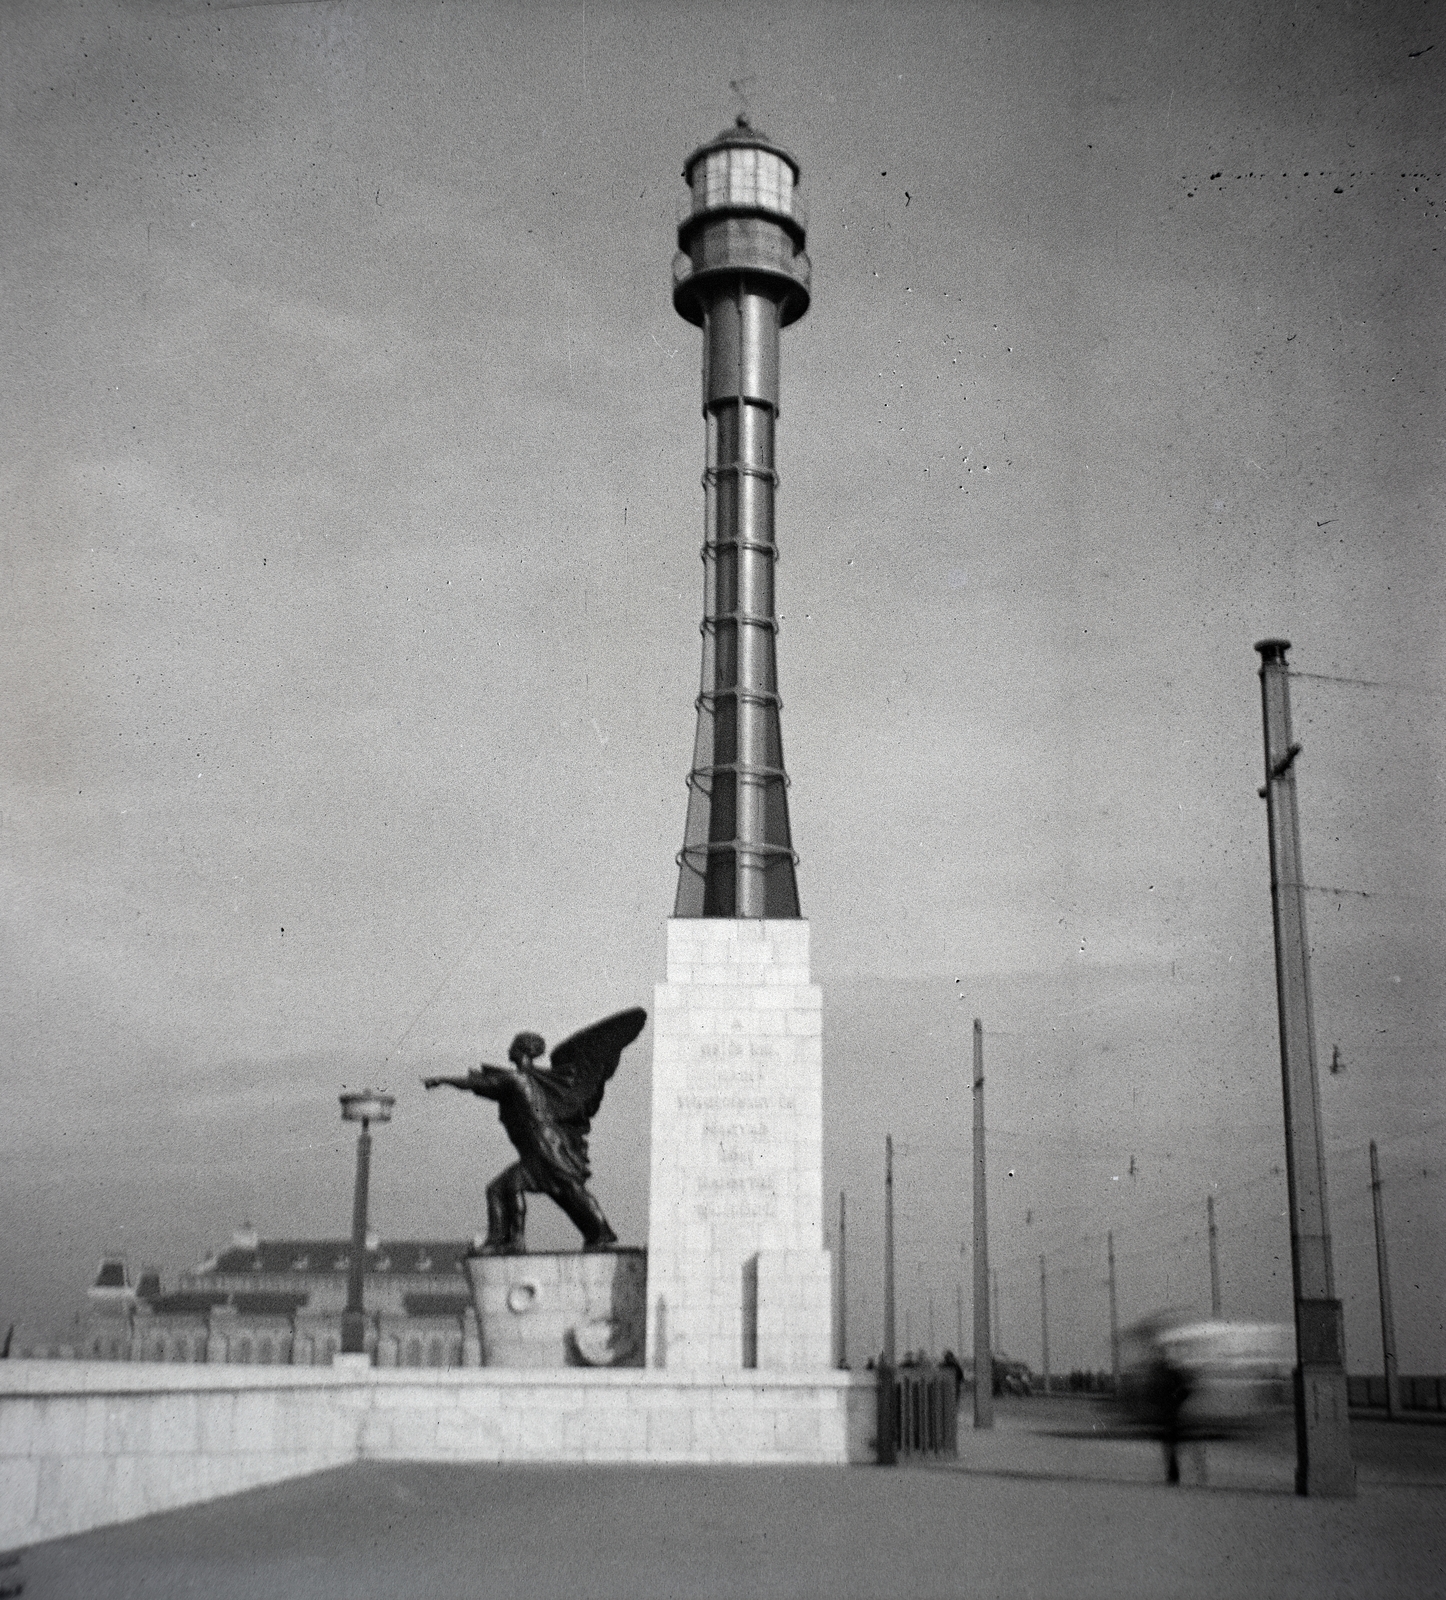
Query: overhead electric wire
x=426 y=1004
x=1370 y=683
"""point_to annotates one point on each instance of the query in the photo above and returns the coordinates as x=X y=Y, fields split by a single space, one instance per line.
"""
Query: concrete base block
x=737 y=1273
x=793 y=1329
x=561 y=1309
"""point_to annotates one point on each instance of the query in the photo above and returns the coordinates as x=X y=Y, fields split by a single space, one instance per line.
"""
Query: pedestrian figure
x=1167 y=1390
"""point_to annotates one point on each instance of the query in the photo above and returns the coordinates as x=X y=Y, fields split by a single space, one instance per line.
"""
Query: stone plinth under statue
x=737 y=1273
x=560 y=1308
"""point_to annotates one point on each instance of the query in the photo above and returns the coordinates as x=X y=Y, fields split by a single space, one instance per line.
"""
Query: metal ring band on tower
x=760 y=545
x=745 y=619
x=753 y=697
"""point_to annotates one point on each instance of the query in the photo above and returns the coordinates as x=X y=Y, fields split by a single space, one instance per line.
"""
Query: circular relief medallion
x=520 y=1297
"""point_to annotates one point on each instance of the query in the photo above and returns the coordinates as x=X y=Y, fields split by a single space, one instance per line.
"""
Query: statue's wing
x=582 y=1065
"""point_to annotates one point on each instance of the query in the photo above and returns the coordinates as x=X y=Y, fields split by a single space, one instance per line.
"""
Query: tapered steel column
x=843 y=1281
x=1322 y=1423
x=983 y=1353
x=741 y=274
x=1383 y=1279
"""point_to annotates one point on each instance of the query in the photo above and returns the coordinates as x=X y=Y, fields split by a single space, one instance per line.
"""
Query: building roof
x=405 y=1257
x=192 y=1303
x=268 y=1305
x=200 y=1302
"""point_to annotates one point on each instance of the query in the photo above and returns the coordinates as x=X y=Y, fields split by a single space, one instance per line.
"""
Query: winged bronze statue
x=548 y=1112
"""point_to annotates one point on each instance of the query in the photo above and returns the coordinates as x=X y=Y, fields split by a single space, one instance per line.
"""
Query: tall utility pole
x=890 y=1352
x=1383 y=1277
x=998 y=1311
x=1044 y=1322
x=983 y=1355
x=1322 y=1422
x=1114 y=1317
x=959 y=1305
x=843 y=1283
x=1214 y=1258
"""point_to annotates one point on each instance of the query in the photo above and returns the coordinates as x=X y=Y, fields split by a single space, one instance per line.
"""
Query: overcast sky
x=351 y=527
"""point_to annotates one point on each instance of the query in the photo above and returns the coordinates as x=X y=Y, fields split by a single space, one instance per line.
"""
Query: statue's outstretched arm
x=483 y=1080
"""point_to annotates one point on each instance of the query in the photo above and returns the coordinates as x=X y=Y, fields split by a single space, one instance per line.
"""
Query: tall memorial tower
x=737 y=1272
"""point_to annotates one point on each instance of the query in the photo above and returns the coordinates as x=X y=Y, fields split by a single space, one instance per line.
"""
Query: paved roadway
x=1048 y=1507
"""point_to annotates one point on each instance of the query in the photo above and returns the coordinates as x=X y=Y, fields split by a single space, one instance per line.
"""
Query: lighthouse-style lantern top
x=743 y=213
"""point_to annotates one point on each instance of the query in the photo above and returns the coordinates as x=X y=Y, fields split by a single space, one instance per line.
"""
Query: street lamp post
x=366 y=1107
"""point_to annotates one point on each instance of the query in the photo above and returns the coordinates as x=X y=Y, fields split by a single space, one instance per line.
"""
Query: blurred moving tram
x=1204 y=1378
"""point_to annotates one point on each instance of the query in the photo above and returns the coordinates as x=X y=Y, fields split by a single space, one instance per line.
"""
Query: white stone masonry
x=737 y=1272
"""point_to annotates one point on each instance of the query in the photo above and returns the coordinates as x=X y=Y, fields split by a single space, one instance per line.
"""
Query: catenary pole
x=889 y=1413
x=843 y=1281
x=890 y=1352
x=1214 y=1257
x=983 y=1355
x=959 y=1306
x=1114 y=1316
x=1383 y=1278
x=1044 y=1323
x=1322 y=1421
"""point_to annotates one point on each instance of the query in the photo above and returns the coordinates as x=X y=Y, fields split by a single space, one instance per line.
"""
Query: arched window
x=243 y=1353
x=180 y=1350
x=414 y=1352
x=434 y=1353
x=266 y=1354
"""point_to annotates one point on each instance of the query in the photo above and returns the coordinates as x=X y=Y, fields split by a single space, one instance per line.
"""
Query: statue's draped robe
x=548 y=1111
x=535 y=1114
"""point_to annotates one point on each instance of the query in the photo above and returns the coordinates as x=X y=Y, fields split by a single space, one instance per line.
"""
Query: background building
x=278 y=1302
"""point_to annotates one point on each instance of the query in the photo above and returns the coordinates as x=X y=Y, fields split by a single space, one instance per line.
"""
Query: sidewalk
x=1047 y=1507
x=1069 y=1439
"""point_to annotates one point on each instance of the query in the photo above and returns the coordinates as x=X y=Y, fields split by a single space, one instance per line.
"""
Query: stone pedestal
x=560 y=1309
x=737 y=1273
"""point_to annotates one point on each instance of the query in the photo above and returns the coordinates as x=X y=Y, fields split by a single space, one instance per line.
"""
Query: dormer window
x=424 y=1262
x=301 y=1264
x=341 y=1264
